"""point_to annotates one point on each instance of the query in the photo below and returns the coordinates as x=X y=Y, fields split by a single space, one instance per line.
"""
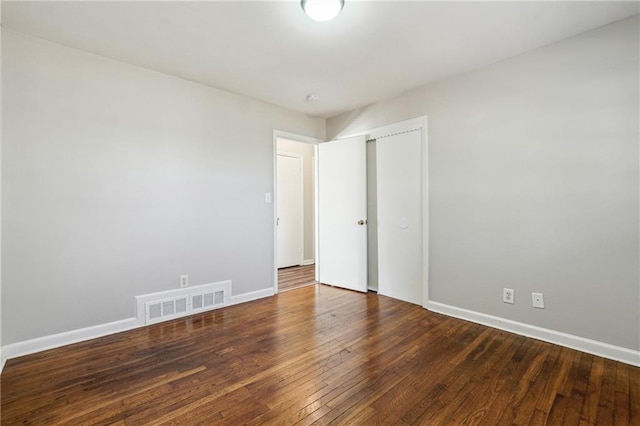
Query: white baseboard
x=39 y=344
x=594 y=347
x=254 y=295
x=3 y=360
x=308 y=262
x=27 y=347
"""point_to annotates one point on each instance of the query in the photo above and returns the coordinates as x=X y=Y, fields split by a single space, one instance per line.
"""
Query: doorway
x=295 y=211
x=395 y=199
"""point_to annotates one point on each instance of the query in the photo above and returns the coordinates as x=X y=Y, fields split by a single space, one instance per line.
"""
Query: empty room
x=320 y=212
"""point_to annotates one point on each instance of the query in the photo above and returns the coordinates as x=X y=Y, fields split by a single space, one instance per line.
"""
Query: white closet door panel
x=399 y=180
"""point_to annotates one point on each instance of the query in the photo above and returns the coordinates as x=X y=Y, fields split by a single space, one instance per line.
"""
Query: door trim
x=281 y=134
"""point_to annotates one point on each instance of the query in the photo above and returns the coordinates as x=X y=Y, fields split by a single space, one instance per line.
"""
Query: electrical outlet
x=508 y=295
x=184 y=280
x=538 y=300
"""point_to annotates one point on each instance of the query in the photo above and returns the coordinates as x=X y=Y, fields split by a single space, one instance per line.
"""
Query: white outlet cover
x=508 y=295
x=538 y=300
x=184 y=280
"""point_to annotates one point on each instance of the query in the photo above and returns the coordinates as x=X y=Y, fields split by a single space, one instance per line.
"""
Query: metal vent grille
x=208 y=299
x=181 y=305
x=155 y=310
x=197 y=301
x=168 y=308
x=160 y=307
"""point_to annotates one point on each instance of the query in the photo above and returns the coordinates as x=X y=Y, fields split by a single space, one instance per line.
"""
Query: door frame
x=300 y=158
x=399 y=127
x=281 y=134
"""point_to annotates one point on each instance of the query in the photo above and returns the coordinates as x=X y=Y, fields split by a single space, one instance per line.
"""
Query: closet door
x=399 y=207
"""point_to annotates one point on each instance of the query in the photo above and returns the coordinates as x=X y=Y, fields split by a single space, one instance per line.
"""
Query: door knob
x=362 y=222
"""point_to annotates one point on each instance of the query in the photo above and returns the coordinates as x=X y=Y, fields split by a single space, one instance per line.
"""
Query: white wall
x=117 y=179
x=533 y=168
x=306 y=150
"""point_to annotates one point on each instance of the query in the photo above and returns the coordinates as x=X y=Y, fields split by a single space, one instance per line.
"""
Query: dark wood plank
x=296 y=277
x=561 y=402
x=621 y=409
x=590 y=405
x=634 y=394
x=318 y=355
x=573 y=412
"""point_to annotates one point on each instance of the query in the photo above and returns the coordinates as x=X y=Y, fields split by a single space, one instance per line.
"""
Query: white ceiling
x=271 y=51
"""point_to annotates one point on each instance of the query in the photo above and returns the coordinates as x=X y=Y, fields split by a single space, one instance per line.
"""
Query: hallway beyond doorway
x=296 y=277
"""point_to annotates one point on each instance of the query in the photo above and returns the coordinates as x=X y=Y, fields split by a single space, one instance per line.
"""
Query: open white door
x=342 y=210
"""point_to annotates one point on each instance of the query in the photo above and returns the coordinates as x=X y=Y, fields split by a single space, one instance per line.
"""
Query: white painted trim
x=316 y=211
x=295 y=137
x=68 y=337
x=74 y=336
x=425 y=210
x=594 y=347
x=400 y=126
x=307 y=262
x=3 y=360
x=248 y=297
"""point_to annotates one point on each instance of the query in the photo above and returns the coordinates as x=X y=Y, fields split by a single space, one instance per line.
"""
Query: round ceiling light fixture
x=322 y=10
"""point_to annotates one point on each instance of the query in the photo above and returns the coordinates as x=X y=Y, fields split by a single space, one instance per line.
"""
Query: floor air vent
x=206 y=301
x=166 y=309
x=157 y=307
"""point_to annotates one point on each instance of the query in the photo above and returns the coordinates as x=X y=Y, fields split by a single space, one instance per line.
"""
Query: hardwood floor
x=318 y=355
x=295 y=277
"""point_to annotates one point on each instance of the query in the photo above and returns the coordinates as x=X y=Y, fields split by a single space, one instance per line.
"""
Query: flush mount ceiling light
x=322 y=10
